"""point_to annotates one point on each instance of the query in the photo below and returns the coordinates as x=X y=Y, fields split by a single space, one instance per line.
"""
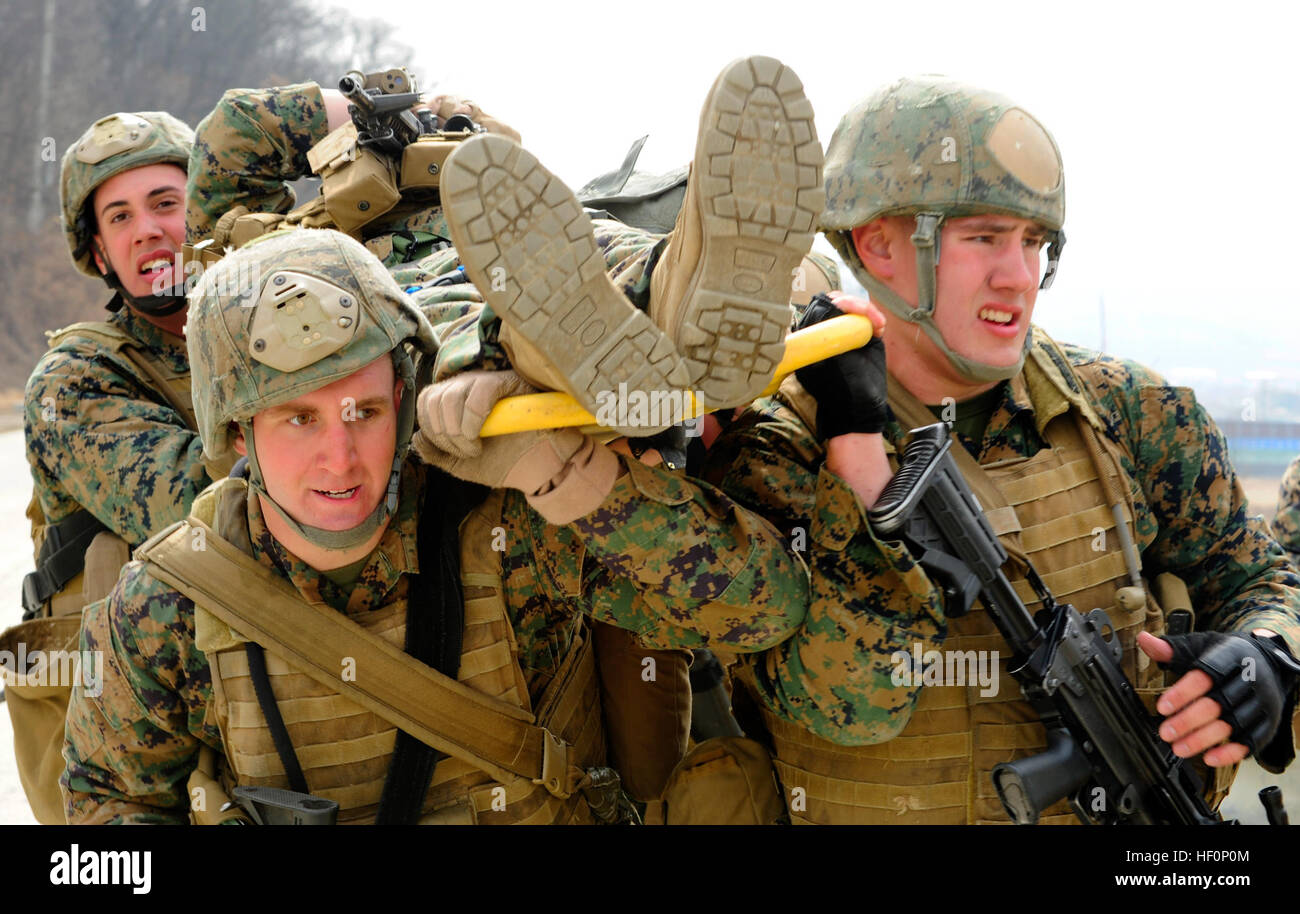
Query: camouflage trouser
x=468 y=330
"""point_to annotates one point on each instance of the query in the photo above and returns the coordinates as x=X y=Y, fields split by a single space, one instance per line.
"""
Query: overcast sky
x=1177 y=124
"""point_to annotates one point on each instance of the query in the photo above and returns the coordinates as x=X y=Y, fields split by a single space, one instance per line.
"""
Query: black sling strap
x=271 y=710
x=435 y=626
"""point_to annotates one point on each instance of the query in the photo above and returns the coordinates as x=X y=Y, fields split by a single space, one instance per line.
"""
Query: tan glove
x=564 y=474
x=444 y=106
x=452 y=412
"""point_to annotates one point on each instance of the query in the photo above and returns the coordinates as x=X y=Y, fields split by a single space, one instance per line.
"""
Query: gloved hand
x=1253 y=680
x=444 y=106
x=851 y=389
x=564 y=474
x=451 y=412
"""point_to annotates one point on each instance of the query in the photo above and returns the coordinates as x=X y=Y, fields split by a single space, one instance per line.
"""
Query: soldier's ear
x=238 y=442
x=96 y=249
x=876 y=244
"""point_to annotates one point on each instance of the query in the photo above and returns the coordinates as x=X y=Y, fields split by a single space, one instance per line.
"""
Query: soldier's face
x=326 y=455
x=988 y=275
x=140 y=216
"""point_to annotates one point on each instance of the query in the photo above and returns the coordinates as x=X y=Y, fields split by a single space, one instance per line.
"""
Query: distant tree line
x=70 y=62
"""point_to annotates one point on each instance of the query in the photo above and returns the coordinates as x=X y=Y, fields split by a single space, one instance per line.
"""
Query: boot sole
x=529 y=248
x=760 y=194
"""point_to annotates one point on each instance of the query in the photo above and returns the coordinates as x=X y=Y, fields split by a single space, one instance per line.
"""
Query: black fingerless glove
x=1254 y=684
x=851 y=389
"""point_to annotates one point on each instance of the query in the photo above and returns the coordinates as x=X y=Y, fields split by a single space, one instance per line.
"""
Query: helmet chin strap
x=926 y=242
x=163 y=304
x=387 y=506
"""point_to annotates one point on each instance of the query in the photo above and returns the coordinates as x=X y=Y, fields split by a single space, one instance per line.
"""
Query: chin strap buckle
x=1054 y=247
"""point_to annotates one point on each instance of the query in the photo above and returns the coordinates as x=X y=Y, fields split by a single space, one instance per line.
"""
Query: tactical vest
x=344 y=749
x=938 y=770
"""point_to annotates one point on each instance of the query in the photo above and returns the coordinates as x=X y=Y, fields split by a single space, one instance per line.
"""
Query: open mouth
x=154 y=267
x=1001 y=322
x=997 y=316
x=337 y=494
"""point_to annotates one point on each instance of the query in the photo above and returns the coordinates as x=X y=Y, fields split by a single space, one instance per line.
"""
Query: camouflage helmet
x=933 y=148
x=112 y=145
x=289 y=313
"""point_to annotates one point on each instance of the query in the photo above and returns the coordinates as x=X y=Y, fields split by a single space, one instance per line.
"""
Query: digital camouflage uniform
x=1286 y=523
x=100 y=437
x=1192 y=522
x=255 y=141
x=100 y=434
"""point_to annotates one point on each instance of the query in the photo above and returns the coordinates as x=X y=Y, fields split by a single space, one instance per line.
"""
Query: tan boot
x=721 y=290
x=529 y=248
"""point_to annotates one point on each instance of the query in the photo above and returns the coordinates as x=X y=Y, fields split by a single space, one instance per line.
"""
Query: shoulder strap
x=102 y=332
x=1048 y=368
x=435 y=628
x=158 y=375
x=495 y=736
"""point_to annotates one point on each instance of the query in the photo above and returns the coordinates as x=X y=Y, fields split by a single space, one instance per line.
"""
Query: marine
x=284 y=673
x=108 y=421
x=692 y=327
x=941 y=198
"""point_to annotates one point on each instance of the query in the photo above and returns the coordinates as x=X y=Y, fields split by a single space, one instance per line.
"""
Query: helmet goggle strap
x=348 y=539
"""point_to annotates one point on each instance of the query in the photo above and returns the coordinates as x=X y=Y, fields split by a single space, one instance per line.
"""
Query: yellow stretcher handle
x=559 y=410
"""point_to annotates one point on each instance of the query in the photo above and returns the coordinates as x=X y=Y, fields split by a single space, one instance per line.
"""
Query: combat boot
x=721 y=289
x=527 y=245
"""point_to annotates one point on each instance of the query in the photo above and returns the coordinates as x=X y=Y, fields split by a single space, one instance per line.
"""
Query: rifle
x=273 y=806
x=387 y=154
x=1099 y=734
x=381 y=109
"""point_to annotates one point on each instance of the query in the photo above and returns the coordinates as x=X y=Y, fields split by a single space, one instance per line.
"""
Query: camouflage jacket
x=674 y=561
x=255 y=141
x=870 y=598
x=1286 y=523
x=99 y=437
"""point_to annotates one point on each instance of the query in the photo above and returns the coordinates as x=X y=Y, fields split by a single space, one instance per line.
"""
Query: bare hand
x=852 y=304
